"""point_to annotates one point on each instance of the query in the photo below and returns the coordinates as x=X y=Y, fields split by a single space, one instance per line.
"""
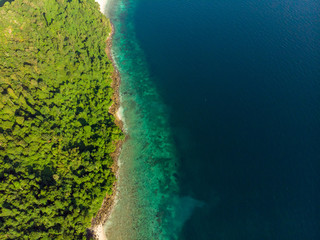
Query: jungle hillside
x=56 y=132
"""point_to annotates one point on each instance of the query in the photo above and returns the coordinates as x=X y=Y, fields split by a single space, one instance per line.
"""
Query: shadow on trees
x=2 y=2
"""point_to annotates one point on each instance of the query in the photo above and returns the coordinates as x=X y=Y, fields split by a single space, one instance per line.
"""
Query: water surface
x=222 y=105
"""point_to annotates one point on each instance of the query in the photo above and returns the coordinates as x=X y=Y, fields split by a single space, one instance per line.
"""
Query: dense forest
x=56 y=132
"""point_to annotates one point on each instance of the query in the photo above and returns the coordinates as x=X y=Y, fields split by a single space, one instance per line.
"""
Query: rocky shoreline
x=96 y=231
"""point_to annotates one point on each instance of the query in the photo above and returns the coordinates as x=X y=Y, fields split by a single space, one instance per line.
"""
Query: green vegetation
x=56 y=133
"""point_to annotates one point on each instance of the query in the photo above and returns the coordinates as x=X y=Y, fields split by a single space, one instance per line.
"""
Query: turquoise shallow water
x=147 y=201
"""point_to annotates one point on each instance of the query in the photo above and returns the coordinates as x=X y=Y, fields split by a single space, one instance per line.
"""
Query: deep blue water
x=241 y=81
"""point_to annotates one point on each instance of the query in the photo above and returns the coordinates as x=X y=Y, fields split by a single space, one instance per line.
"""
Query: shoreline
x=96 y=231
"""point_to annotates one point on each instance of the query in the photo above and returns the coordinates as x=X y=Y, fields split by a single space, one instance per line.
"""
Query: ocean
x=221 y=106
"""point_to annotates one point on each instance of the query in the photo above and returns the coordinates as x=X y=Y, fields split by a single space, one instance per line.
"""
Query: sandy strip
x=103 y=4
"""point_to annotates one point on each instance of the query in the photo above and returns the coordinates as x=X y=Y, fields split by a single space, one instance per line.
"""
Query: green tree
x=56 y=133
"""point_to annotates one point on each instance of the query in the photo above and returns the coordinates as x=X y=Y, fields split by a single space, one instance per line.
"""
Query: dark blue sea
x=236 y=100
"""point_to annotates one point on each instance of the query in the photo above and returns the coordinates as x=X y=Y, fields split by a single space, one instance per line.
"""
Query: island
x=58 y=130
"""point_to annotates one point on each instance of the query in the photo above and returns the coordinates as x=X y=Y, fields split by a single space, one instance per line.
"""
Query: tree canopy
x=56 y=132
